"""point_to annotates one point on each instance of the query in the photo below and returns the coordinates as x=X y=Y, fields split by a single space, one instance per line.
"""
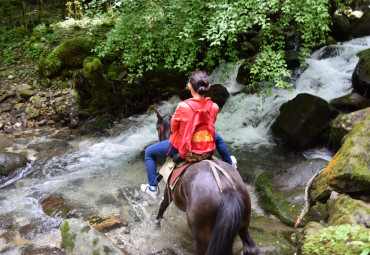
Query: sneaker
x=145 y=188
x=234 y=162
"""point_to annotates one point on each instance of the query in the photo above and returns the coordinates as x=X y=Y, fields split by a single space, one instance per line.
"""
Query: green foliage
x=74 y=9
x=186 y=35
x=340 y=240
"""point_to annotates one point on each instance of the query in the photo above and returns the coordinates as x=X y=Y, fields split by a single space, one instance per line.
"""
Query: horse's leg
x=249 y=246
x=162 y=208
x=201 y=236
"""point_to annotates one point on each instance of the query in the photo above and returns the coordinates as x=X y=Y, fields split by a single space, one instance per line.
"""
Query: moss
x=3 y=170
x=96 y=253
x=343 y=239
x=95 y=241
x=274 y=203
x=49 y=64
x=85 y=229
x=73 y=52
x=107 y=250
x=67 y=239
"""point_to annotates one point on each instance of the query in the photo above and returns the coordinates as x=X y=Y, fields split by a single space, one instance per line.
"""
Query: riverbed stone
x=56 y=207
x=79 y=237
x=348 y=171
x=5 y=142
x=302 y=121
x=350 y=103
x=270 y=235
x=282 y=193
x=343 y=124
x=106 y=223
x=346 y=210
x=361 y=74
x=10 y=161
x=341 y=27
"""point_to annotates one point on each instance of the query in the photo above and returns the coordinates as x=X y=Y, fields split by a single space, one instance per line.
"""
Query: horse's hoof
x=158 y=222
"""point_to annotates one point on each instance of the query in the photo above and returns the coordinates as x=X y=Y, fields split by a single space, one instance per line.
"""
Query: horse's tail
x=229 y=218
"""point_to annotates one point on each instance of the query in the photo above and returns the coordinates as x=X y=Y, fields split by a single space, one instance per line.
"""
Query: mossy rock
x=339 y=240
x=275 y=202
x=346 y=210
x=73 y=52
x=361 y=74
x=343 y=124
x=56 y=207
x=348 y=171
x=10 y=161
x=49 y=64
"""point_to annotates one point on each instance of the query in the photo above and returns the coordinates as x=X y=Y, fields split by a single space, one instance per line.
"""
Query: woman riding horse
x=198 y=86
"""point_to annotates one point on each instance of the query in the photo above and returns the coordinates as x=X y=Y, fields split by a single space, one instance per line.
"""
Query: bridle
x=164 y=127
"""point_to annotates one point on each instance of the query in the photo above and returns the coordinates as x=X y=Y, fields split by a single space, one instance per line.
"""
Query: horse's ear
x=160 y=118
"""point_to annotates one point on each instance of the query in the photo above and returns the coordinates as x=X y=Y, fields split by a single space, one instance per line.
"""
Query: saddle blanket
x=171 y=171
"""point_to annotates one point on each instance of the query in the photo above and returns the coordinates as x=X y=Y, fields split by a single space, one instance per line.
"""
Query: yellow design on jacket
x=202 y=136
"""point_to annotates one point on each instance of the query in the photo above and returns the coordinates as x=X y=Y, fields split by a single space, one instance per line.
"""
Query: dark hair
x=199 y=82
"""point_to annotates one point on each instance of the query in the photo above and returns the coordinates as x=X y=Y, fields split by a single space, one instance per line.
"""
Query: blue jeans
x=162 y=148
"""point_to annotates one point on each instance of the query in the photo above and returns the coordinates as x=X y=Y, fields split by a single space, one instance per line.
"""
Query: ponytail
x=199 y=82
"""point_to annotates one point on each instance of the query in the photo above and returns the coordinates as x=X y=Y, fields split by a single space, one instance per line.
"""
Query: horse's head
x=164 y=126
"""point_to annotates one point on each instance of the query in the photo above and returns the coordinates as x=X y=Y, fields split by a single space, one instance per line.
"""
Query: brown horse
x=214 y=218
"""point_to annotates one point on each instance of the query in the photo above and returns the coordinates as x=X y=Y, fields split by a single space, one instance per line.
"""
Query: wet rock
x=350 y=103
x=330 y=51
x=340 y=29
x=270 y=235
x=10 y=161
x=317 y=213
x=348 y=171
x=282 y=194
x=106 y=223
x=56 y=207
x=344 y=124
x=361 y=74
x=302 y=121
x=43 y=250
x=28 y=231
x=345 y=210
x=5 y=142
x=362 y=26
x=217 y=93
x=79 y=237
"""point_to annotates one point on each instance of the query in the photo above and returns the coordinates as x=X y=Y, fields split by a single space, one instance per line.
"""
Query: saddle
x=174 y=167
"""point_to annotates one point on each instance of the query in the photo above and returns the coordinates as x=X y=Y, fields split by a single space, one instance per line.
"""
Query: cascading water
x=103 y=175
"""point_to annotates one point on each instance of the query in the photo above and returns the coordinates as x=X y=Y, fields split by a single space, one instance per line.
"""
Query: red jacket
x=183 y=114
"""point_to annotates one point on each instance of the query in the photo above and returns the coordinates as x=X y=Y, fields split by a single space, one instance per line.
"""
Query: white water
x=103 y=175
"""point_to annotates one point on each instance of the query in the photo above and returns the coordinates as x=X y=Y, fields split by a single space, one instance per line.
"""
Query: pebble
x=11 y=77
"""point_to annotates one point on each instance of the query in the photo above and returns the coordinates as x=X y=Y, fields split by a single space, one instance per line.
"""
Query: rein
x=217 y=177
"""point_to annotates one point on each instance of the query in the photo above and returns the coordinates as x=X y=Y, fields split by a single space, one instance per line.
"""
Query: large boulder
x=343 y=124
x=362 y=26
x=69 y=54
x=361 y=74
x=351 y=102
x=348 y=171
x=343 y=209
x=10 y=161
x=282 y=194
x=302 y=121
x=79 y=237
x=340 y=29
x=217 y=93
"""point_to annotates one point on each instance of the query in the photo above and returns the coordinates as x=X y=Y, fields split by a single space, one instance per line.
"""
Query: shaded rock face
x=362 y=26
x=302 y=121
x=79 y=237
x=217 y=93
x=341 y=30
x=283 y=193
x=350 y=103
x=345 y=210
x=361 y=74
x=343 y=124
x=348 y=171
x=10 y=161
